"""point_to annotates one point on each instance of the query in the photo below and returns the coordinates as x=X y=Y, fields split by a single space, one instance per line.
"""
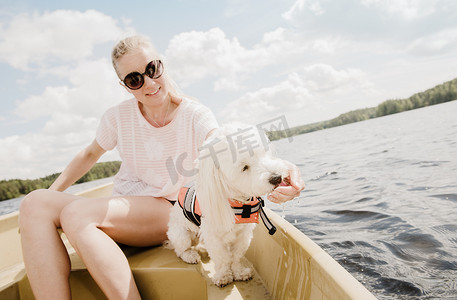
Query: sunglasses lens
x=154 y=69
x=150 y=69
x=134 y=81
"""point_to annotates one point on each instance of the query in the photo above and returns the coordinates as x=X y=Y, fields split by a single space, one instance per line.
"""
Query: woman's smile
x=153 y=93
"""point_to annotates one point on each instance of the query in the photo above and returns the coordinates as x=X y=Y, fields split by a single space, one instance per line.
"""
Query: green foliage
x=346 y=118
x=101 y=170
x=441 y=93
x=16 y=187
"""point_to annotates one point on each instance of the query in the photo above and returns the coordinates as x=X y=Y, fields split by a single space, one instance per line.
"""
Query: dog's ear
x=212 y=190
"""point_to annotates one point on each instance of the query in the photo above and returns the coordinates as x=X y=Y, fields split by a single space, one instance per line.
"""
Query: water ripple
x=398 y=287
x=348 y=215
x=450 y=197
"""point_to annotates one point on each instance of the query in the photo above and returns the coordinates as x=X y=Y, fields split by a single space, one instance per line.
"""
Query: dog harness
x=244 y=212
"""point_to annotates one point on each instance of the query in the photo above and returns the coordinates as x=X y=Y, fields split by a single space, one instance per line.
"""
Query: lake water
x=381 y=199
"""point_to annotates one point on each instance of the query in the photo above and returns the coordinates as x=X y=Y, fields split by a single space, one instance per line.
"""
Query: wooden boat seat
x=158 y=273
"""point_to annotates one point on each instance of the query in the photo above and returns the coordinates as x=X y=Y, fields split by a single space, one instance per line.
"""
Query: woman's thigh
x=131 y=220
x=44 y=205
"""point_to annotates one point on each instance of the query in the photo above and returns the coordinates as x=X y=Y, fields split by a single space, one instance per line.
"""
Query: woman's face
x=154 y=92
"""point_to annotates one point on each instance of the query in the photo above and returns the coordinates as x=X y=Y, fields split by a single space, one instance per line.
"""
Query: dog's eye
x=245 y=168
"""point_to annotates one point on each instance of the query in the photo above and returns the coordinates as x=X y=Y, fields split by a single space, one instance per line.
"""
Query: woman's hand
x=284 y=193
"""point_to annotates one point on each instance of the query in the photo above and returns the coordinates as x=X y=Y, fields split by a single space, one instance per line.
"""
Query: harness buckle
x=246 y=213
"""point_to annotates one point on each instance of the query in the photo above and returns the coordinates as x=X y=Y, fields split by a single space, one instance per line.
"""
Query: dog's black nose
x=275 y=179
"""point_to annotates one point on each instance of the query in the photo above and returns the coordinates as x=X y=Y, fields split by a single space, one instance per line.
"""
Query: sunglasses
x=135 y=80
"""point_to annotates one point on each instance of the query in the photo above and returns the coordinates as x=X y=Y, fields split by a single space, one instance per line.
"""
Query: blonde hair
x=130 y=43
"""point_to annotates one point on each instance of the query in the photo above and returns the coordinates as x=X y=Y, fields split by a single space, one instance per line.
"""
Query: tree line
x=14 y=188
x=439 y=94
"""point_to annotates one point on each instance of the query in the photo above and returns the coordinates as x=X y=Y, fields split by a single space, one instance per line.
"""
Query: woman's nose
x=148 y=81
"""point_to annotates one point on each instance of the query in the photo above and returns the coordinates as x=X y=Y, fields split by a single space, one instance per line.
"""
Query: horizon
x=308 y=60
x=288 y=137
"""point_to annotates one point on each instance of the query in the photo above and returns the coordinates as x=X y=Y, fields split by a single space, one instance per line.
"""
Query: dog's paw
x=222 y=279
x=190 y=256
x=201 y=250
x=242 y=274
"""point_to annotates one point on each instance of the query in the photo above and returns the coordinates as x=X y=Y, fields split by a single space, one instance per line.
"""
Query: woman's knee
x=43 y=205
x=31 y=200
x=33 y=206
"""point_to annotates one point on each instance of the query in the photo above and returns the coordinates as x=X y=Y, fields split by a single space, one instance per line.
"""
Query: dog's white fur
x=233 y=171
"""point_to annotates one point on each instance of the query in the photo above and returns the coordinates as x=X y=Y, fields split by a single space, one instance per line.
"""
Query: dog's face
x=244 y=159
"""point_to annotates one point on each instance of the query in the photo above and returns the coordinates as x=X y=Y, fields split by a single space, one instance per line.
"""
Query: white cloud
x=196 y=55
x=323 y=78
x=280 y=44
x=34 y=155
x=93 y=88
x=444 y=41
x=62 y=35
x=326 y=45
x=314 y=93
x=31 y=155
x=36 y=106
x=301 y=6
x=226 y=84
x=408 y=9
x=372 y=20
x=267 y=103
x=283 y=52
x=58 y=45
x=72 y=115
x=235 y=7
x=346 y=56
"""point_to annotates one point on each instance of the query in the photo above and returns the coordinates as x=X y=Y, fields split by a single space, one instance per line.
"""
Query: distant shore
x=442 y=93
x=15 y=188
x=439 y=94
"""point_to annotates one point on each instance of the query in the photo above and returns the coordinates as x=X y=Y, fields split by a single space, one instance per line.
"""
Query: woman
x=156 y=126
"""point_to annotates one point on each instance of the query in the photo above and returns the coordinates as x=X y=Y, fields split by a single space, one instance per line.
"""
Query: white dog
x=233 y=164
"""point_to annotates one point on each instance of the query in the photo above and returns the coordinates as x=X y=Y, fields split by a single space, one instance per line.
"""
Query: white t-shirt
x=155 y=161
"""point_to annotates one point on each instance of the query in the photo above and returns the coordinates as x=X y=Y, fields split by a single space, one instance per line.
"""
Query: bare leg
x=42 y=247
x=94 y=226
x=106 y=263
x=89 y=224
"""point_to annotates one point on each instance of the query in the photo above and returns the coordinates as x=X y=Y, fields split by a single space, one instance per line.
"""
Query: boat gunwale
x=317 y=260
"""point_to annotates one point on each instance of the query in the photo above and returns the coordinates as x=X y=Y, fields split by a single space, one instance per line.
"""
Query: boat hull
x=288 y=265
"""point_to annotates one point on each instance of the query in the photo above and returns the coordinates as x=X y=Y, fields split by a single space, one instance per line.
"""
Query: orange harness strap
x=244 y=212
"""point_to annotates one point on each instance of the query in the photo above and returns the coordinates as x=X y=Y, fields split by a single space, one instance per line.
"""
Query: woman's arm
x=79 y=166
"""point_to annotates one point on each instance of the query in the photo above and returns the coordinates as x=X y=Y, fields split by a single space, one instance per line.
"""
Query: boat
x=288 y=265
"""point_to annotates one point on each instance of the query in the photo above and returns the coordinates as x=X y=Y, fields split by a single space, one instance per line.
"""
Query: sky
x=248 y=61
